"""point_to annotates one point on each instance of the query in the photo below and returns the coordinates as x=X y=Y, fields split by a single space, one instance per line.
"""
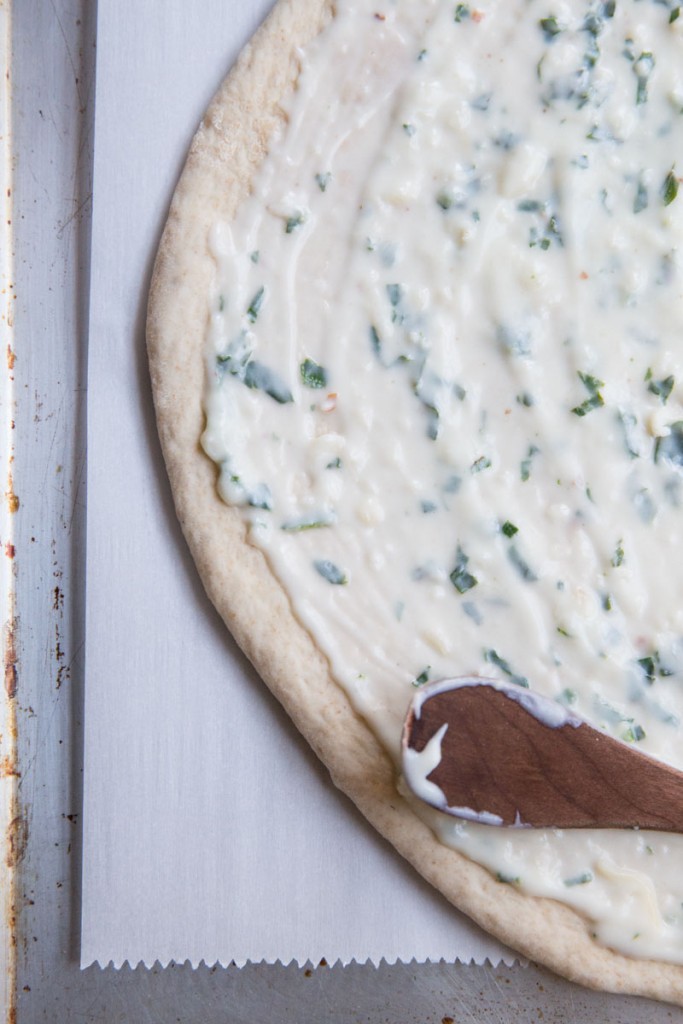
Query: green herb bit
x=507 y=879
x=221 y=303
x=301 y=525
x=563 y=632
x=628 y=422
x=675 y=14
x=582 y=879
x=444 y=200
x=525 y=465
x=330 y=572
x=633 y=734
x=618 y=556
x=409 y=129
x=525 y=399
x=483 y=462
x=494 y=658
x=670 y=448
x=428 y=506
x=669 y=189
x=452 y=484
x=395 y=293
x=461 y=579
x=423 y=676
x=652 y=667
x=375 y=341
x=568 y=697
x=323 y=180
x=662 y=388
x=260 y=497
x=550 y=28
x=255 y=256
x=522 y=567
x=606 y=603
x=254 y=307
x=260 y=378
x=641 y=200
x=470 y=609
x=294 y=222
x=592 y=385
x=312 y=375
x=335 y=464
x=642 y=68
x=462 y=12
x=509 y=529
x=422 y=54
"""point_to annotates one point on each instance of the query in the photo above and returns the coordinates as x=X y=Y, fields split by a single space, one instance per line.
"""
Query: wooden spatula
x=502 y=755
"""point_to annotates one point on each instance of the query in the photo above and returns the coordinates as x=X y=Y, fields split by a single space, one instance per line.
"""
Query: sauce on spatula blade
x=502 y=755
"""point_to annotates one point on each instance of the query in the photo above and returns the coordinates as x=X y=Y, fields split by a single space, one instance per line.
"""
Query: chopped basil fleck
x=462 y=12
x=294 y=222
x=525 y=465
x=581 y=879
x=641 y=200
x=260 y=378
x=662 y=388
x=312 y=375
x=550 y=28
x=642 y=68
x=395 y=293
x=311 y=523
x=669 y=448
x=461 y=579
x=423 y=677
x=595 y=401
x=522 y=567
x=483 y=462
x=669 y=188
x=507 y=879
x=509 y=529
x=494 y=658
x=323 y=180
x=329 y=571
x=618 y=556
x=254 y=307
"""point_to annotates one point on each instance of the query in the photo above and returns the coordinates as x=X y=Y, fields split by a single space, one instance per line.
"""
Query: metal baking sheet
x=50 y=93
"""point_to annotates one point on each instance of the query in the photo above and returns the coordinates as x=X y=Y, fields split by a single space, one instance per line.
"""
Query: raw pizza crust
x=227 y=150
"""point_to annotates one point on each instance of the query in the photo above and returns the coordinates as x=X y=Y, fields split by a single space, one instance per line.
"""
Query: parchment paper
x=210 y=830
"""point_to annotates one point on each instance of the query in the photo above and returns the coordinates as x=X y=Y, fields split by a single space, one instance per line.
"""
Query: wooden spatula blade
x=501 y=755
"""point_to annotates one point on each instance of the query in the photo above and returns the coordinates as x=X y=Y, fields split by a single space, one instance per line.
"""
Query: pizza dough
x=225 y=156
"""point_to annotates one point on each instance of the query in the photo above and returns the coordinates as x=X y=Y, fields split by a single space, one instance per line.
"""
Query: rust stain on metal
x=11 y=358
x=11 y=674
x=10 y=550
x=17 y=840
x=8 y=767
x=10 y=496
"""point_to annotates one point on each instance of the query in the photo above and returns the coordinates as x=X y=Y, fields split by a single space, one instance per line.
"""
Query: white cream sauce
x=445 y=364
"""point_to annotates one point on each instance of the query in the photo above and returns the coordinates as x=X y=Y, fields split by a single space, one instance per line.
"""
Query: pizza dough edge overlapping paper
x=225 y=155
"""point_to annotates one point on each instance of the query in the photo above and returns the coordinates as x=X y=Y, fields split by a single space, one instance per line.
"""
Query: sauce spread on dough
x=445 y=364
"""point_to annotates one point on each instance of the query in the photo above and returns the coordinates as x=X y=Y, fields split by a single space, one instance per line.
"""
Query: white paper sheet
x=210 y=830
